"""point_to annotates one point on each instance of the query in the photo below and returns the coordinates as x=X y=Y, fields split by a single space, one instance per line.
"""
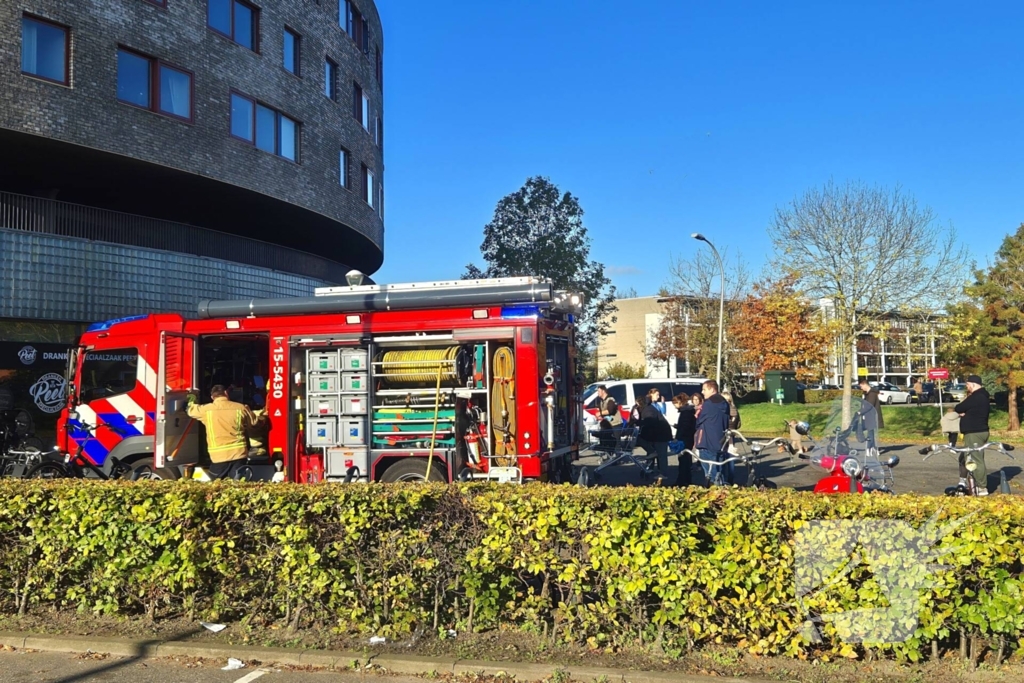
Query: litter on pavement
x=233 y=664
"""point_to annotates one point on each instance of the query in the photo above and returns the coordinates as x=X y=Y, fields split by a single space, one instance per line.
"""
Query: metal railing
x=53 y=217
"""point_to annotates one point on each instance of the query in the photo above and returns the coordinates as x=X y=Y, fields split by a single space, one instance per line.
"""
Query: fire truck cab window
x=107 y=373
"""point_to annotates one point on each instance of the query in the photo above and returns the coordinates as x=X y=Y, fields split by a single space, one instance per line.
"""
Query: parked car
x=890 y=393
x=931 y=395
x=958 y=391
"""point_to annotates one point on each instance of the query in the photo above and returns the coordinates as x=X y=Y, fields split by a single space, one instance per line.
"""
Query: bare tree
x=872 y=252
x=689 y=325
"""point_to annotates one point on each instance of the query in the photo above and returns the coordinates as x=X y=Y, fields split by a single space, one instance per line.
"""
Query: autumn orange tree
x=775 y=329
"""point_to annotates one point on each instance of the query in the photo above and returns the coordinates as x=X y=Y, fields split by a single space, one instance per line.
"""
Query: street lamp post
x=721 y=305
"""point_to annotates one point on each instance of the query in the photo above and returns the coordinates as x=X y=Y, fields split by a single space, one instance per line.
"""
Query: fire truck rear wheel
x=413 y=469
x=143 y=469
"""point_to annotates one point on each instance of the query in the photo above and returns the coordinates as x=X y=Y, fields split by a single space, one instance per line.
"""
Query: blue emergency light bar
x=106 y=325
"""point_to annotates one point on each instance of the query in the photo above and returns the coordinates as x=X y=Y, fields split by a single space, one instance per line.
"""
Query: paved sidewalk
x=28 y=657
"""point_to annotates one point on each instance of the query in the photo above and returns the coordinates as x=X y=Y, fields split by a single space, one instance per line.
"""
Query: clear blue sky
x=665 y=118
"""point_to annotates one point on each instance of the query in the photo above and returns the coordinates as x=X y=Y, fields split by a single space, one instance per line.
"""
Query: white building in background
x=903 y=352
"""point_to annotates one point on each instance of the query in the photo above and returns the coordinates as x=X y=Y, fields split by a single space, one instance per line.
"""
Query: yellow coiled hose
x=420 y=366
x=503 y=406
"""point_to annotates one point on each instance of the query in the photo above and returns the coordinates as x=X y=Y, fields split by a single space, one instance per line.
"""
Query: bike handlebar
x=929 y=451
x=762 y=444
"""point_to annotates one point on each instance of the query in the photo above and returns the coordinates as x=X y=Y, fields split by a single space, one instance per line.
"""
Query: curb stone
x=339 y=659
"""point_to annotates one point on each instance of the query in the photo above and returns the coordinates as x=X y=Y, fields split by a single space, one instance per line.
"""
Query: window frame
x=379 y=66
x=67 y=48
x=333 y=85
x=345 y=169
x=357 y=102
x=368 y=187
x=256 y=12
x=378 y=130
x=366 y=113
x=154 y=86
x=297 y=56
x=256 y=103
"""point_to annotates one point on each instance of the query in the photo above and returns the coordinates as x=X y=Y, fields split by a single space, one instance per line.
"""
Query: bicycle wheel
x=48 y=470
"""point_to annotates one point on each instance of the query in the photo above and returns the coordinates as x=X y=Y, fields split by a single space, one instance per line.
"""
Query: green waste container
x=781 y=385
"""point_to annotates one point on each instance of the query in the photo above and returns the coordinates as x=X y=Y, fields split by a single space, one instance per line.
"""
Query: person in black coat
x=712 y=424
x=973 y=412
x=686 y=428
x=655 y=431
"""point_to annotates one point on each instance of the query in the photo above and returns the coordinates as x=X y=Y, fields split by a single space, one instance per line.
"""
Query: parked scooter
x=851 y=455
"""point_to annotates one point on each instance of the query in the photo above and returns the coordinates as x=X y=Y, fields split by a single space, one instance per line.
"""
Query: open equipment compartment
x=431 y=398
x=336 y=406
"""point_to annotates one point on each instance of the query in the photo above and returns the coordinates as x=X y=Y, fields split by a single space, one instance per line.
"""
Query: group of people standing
x=704 y=418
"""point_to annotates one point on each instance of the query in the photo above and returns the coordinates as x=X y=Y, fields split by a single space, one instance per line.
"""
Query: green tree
x=991 y=323
x=625 y=371
x=538 y=230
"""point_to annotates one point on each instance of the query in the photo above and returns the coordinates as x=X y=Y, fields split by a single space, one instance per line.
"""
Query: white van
x=626 y=391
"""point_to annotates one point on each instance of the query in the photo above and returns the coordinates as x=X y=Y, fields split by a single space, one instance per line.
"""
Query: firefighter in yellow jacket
x=226 y=423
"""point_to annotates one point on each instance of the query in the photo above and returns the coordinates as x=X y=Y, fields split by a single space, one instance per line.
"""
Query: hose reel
x=421 y=366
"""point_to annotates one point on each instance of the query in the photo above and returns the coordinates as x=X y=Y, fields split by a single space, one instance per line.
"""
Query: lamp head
x=698 y=236
x=354 y=278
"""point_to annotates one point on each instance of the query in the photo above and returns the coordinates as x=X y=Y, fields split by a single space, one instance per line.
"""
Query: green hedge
x=822 y=395
x=665 y=568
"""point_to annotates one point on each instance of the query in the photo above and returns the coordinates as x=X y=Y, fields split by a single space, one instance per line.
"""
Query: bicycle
x=751 y=460
x=970 y=464
x=19 y=450
x=74 y=465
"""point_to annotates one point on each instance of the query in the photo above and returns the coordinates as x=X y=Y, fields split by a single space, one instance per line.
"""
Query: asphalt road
x=912 y=475
x=51 y=667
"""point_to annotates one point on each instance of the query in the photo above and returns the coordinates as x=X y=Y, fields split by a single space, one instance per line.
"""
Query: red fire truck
x=473 y=379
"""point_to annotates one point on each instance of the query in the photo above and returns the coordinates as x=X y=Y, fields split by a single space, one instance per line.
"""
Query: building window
x=344 y=16
x=367 y=117
x=292 y=51
x=359 y=29
x=235 y=19
x=344 y=159
x=380 y=199
x=264 y=127
x=151 y=84
x=331 y=79
x=368 y=189
x=380 y=132
x=44 y=50
x=158 y=3
x=357 y=103
x=379 y=67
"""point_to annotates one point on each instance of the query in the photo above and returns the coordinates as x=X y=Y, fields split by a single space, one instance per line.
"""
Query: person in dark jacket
x=655 y=431
x=973 y=412
x=686 y=427
x=712 y=423
x=871 y=396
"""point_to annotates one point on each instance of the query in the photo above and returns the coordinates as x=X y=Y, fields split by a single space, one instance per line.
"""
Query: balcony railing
x=52 y=217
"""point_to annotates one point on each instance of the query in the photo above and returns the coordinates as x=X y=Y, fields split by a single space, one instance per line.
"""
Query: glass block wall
x=47 y=277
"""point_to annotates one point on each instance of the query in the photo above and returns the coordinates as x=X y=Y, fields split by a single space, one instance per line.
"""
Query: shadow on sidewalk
x=146 y=648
